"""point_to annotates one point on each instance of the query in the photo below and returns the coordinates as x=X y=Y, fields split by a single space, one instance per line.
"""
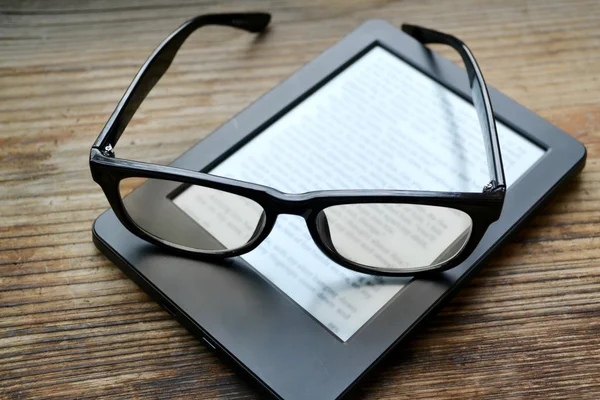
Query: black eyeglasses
x=234 y=217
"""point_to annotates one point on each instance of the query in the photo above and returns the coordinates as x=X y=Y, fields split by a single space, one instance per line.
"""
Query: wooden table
x=72 y=325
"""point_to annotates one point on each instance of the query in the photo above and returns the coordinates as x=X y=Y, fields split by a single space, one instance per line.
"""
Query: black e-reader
x=375 y=111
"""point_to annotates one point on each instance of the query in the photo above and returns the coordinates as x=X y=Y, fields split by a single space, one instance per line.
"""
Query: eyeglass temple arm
x=480 y=96
x=158 y=63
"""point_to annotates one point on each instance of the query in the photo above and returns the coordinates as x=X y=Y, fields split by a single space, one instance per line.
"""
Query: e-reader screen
x=377 y=124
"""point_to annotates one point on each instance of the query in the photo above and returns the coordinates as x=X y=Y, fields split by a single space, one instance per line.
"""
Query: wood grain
x=73 y=326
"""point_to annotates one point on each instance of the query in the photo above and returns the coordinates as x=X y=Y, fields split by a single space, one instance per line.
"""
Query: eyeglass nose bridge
x=292 y=204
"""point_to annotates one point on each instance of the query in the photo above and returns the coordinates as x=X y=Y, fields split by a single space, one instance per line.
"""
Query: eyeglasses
x=234 y=217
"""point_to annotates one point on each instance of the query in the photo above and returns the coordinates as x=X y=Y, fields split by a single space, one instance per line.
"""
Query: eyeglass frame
x=108 y=171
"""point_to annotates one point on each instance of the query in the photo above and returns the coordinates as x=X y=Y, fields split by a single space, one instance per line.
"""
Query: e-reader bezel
x=261 y=330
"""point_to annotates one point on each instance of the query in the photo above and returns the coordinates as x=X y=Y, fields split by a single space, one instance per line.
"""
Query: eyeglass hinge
x=491 y=187
x=108 y=151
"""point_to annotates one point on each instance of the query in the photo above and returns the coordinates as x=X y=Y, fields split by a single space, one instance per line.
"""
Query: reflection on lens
x=395 y=237
x=195 y=217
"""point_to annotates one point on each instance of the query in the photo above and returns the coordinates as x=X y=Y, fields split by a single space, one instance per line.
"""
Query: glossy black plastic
x=483 y=208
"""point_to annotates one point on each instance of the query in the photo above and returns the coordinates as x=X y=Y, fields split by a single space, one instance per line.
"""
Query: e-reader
x=375 y=111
